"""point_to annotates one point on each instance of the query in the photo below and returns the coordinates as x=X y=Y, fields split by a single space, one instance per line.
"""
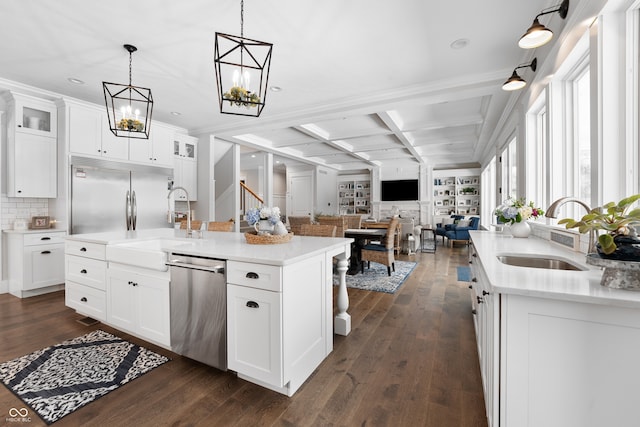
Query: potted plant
x=620 y=240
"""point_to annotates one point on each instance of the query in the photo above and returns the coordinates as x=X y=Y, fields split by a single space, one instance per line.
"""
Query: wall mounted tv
x=399 y=190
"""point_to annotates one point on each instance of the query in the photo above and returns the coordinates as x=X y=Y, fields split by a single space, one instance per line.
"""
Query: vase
x=520 y=229
x=263 y=226
x=628 y=249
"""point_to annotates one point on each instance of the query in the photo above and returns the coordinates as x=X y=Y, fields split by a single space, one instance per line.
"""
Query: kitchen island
x=556 y=348
x=296 y=280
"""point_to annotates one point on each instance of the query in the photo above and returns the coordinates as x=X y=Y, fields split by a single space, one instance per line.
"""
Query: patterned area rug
x=57 y=380
x=377 y=279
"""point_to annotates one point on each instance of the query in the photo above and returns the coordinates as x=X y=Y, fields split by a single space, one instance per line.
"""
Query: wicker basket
x=267 y=239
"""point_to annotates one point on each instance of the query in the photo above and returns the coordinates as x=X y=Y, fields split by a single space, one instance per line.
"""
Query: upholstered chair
x=460 y=232
x=381 y=253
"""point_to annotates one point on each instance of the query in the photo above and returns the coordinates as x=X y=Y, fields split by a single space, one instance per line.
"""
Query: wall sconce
x=516 y=82
x=538 y=34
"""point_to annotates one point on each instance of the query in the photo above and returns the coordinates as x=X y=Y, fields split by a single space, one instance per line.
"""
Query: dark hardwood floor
x=410 y=360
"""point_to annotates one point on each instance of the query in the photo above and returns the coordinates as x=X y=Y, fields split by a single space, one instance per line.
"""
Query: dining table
x=361 y=236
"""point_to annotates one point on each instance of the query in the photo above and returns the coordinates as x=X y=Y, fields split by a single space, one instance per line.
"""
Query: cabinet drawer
x=86 y=300
x=85 y=249
x=43 y=238
x=86 y=271
x=267 y=277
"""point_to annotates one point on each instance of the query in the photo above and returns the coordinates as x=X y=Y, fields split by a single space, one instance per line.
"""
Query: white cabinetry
x=138 y=302
x=86 y=274
x=36 y=262
x=276 y=321
x=156 y=150
x=89 y=134
x=185 y=165
x=31 y=147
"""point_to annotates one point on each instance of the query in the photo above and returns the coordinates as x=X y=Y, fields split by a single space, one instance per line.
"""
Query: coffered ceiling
x=364 y=83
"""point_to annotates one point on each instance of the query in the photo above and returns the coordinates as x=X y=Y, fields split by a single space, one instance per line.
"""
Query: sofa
x=444 y=226
x=459 y=232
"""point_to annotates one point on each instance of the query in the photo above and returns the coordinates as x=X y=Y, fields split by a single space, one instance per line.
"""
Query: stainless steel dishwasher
x=199 y=308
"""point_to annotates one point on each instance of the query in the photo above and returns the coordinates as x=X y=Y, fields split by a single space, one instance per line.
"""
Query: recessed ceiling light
x=176 y=113
x=75 y=81
x=253 y=156
x=275 y=88
x=459 y=44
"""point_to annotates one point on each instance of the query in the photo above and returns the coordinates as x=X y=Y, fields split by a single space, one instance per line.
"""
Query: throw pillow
x=463 y=223
x=446 y=221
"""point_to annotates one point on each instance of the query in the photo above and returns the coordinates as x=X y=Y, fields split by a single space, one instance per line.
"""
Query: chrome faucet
x=189 y=231
x=552 y=212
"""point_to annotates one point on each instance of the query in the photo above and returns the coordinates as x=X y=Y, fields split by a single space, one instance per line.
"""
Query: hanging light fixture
x=538 y=35
x=129 y=107
x=516 y=82
x=242 y=72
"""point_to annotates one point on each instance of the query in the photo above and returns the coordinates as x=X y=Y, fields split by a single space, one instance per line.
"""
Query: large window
x=488 y=194
x=536 y=170
x=509 y=159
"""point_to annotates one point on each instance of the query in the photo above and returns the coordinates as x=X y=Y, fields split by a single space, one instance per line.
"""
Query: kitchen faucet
x=189 y=231
x=552 y=212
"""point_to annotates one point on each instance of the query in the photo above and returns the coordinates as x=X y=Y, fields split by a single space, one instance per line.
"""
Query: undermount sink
x=539 y=262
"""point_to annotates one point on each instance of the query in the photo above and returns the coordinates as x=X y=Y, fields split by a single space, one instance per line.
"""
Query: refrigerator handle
x=127 y=212
x=134 y=210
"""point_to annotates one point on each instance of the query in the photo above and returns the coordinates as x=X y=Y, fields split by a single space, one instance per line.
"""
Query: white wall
x=326 y=200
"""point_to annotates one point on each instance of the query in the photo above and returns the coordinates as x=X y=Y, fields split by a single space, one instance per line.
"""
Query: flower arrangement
x=269 y=213
x=131 y=125
x=241 y=97
x=517 y=210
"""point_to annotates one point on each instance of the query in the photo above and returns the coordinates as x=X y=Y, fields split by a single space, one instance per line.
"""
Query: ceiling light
x=538 y=35
x=275 y=88
x=75 y=81
x=129 y=107
x=516 y=82
x=459 y=44
x=242 y=72
x=176 y=113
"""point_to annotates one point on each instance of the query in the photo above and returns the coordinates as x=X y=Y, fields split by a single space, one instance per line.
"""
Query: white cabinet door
x=35 y=116
x=254 y=333
x=162 y=145
x=121 y=304
x=34 y=168
x=45 y=266
x=152 y=308
x=84 y=131
x=113 y=147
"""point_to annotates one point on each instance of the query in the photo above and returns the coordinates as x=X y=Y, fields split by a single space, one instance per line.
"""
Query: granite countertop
x=580 y=286
x=221 y=245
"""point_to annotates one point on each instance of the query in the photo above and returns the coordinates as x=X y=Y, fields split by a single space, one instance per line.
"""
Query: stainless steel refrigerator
x=109 y=196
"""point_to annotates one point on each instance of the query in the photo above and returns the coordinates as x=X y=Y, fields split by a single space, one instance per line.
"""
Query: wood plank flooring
x=410 y=360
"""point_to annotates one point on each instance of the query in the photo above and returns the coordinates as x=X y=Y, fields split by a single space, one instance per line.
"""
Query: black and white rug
x=57 y=380
x=377 y=279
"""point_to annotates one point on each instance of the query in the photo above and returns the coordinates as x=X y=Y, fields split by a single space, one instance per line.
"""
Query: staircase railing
x=248 y=199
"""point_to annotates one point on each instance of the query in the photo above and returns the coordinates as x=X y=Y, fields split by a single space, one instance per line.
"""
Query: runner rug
x=57 y=380
x=377 y=279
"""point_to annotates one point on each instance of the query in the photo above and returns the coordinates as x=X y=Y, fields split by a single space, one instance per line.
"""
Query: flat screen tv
x=398 y=190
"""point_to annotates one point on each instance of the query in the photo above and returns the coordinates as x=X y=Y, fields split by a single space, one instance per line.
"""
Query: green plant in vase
x=620 y=240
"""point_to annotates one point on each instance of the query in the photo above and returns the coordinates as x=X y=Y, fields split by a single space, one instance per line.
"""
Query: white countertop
x=580 y=286
x=223 y=245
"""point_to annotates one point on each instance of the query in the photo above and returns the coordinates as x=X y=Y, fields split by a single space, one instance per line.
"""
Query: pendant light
x=538 y=35
x=242 y=72
x=515 y=82
x=129 y=107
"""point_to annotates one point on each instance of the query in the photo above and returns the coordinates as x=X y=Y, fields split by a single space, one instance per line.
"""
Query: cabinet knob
x=474 y=255
x=252 y=304
x=470 y=286
x=480 y=301
x=19 y=126
x=83 y=299
x=83 y=249
x=485 y=292
x=475 y=279
x=19 y=191
x=252 y=275
x=474 y=312
x=83 y=271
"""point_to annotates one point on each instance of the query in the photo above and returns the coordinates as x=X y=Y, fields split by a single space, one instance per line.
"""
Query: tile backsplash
x=12 y=208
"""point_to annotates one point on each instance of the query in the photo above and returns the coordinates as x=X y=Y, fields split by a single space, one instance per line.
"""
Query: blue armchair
x=456 y=233
x=442 y=229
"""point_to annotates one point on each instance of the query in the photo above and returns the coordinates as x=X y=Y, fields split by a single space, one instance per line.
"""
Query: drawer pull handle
x=45 y=252
x=83 y=271
x=83 y=299
x=252 y=275
x=252 y=304
x=83 y=249
x=45 y=238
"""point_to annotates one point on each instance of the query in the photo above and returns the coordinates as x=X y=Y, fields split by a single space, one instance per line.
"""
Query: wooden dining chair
x=382 y=253
x=319 y=230
x=339 y=221
x=295 y=222
x=195 y=225
x=353 y=221
x=220 y=226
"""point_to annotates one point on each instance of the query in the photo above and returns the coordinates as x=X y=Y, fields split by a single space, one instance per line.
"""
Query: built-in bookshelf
x=456 y=195
x=354 y=195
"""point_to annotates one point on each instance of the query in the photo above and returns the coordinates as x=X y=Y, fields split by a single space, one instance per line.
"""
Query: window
x=536 y=153
x=509 y=159
x=488 y=194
